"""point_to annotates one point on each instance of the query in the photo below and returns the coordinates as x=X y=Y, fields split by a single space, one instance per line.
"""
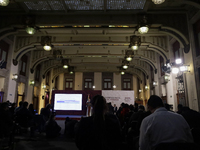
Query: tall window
x=23 y=65
x=3 y=53
x=88 y=84
x=196 y=28
x=176 y=47
x=68 y=84
x=126 y=84
x=107 y=84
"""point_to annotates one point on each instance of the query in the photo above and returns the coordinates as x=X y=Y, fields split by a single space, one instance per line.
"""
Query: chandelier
x=46 y=43
x=135 y=42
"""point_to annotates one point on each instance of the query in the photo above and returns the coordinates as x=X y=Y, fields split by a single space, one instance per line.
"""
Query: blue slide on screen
x=68 y=102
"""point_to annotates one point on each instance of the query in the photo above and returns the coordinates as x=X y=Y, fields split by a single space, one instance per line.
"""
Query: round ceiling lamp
x=71 y=72
x=129 y=58
x=143 y=29
x=65 y=66
x=122 y=73
x=4 y=2
x=134 y=47
x=158 y=1
x=30 y=30
x=125 y=66
x=47 y=47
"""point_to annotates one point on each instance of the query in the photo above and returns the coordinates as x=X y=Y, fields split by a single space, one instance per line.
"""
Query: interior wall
x=78 y=80
x=98 y=80
x=2 y=80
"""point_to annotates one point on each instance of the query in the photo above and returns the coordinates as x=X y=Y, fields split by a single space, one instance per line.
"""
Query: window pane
x=88 y=79
x=4 y=55
x=109 y=85
x=90 y=85
x=124 y=85
x=86 y=84
x=129 y=85
x=67 y=84
x=127 y=79
x=69 y=79
x=70 y=85
x=105 y=85
x=107 y=79
x=24 y=67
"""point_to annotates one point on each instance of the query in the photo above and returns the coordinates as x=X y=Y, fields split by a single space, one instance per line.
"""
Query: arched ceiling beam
x=148 y=61
x=184 y=42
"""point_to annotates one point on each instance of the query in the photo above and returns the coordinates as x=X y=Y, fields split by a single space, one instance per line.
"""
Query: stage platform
x=74 y=117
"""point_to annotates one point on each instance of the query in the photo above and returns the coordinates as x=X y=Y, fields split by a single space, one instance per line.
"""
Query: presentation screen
x=68 y=102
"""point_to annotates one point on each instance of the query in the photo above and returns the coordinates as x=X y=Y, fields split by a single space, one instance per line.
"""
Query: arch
x=49 y=68
x=148 y=61
x=184 y=42
x=156 y=49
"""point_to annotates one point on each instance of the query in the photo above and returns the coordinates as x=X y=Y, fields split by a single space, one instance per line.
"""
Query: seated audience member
x=6 y=122
x=12 y=109
x=18 y=108
x=180 y=106
x=24 y=116
x=191 y=116
x=69 y=127
x=46 y=112
x=31 y=109
x=162 y=126
x=135 y=116
x=52 y=129
x=101 y=131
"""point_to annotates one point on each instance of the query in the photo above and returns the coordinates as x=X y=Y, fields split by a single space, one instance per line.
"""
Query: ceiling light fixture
x=143 y=26
x=46 y=43
x=158 y=1
x=129 y=55
x=4 y=2
x=135 y=42
x=122 y=72
x=65 y=66
x=30 y=30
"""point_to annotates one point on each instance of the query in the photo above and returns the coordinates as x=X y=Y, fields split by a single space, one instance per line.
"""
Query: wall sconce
x=146 y=87
x=184 y=68
x=158 y=1
x=175 y=70
x=93 y=87
x=155 y=83
x=44 y=86
x=167 y=78
x=178 y=61
x=143 y=26
x=32 y=82
x=140 y=90
x=46 y=43
x=114 y=86
x=15 y=77
x=4 y=2
x=135 y=42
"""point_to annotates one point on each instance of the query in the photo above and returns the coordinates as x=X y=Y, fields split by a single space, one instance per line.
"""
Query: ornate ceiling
x=95 y=34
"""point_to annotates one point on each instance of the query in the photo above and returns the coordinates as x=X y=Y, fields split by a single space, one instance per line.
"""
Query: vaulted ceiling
x=93 y=35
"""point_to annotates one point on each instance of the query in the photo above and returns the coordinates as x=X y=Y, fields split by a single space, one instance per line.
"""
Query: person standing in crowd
x=162 y=126
x=101 y=131
x=115 y=109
